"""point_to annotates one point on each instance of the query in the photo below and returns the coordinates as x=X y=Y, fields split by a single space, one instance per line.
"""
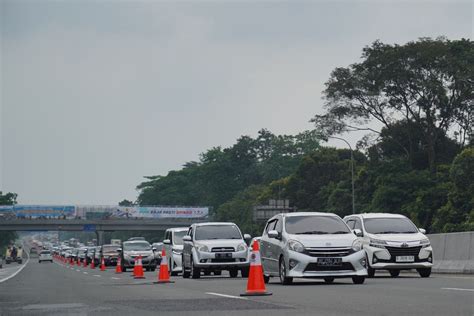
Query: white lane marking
x=457 y=289
x=78 y=270
x=85 y=272
x=96 y=275
x=114 y=278
x=227 y=296
x=19 y=270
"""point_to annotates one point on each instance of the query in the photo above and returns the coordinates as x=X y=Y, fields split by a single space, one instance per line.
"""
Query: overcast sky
x=97 y=94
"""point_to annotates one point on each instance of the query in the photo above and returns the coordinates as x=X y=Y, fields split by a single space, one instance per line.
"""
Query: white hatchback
x=392 y=242
x=45 y=255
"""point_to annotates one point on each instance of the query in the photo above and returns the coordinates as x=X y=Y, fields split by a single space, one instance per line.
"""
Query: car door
x=265 y=249
x=274 y=246
x=187 y=248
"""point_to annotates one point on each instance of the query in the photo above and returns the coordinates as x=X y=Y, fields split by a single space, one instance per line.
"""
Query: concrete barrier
x=453 y=252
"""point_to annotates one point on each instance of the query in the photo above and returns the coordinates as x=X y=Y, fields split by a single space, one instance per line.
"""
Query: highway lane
x=55 y=289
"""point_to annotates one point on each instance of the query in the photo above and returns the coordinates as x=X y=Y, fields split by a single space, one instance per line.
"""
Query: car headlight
x=425 y=243
x=202 y=248
x=242 y=247
x=357 y=245
x=378 y=243
x=295 y=246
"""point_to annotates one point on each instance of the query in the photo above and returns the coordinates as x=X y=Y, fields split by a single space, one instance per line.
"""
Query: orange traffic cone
x=78 y=262
x=138 y=269
x=102 y=264
x=85 y=262
x=164 y=275
x=118 y=268
x=93 y=263
x=71 y=261
x=255 y=283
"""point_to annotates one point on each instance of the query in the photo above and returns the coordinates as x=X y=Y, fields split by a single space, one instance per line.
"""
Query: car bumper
x=111 y=261
x=130 y=263
x=240 y=259
x=307 y=266
x=380 y=258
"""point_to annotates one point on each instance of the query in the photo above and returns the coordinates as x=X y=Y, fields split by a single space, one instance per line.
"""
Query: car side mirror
x=421 y=230
x=118 y=250
x=358 y=232
x=167 y=241
x=273 y=234
x=154 y=249
x=247 y=237
x=186 y=238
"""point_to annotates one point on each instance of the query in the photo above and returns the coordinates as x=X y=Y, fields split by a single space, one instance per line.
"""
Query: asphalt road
x=57 y=289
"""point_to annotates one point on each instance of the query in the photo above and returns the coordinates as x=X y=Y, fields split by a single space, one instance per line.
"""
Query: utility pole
x=352 y=170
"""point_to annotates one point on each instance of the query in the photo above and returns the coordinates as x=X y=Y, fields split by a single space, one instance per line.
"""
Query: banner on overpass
x=35 y=211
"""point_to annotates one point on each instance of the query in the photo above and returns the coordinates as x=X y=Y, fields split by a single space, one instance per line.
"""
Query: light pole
x=352 y=170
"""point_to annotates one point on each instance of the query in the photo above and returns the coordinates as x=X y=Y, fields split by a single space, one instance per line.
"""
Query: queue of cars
x=292 y=245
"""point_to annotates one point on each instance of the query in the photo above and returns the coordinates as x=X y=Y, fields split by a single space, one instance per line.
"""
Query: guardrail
x=453 y=252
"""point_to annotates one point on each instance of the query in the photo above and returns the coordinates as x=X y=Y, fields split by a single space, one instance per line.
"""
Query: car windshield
x=389 y=226
x=136 y=246
x=207 y=232
x=178 y=237
x=315 y=225
x=110 y=248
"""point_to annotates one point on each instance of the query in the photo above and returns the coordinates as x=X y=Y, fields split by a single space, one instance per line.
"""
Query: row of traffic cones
x=255 y=282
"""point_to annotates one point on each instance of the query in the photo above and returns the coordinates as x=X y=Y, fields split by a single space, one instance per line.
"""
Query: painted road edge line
x=227 y=296
x=19 y=270
x=457 y=289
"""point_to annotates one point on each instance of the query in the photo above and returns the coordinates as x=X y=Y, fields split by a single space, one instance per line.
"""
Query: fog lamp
x=293 y=263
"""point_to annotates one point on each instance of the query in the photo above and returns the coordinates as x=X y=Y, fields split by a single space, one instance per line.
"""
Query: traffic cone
x=78 y=262
x=71 y=261
x=102 y=264
x=85 y=262
x=93 y=263
x=255 y=283
x=163 y=275
x=138 y=268
x=118 y=268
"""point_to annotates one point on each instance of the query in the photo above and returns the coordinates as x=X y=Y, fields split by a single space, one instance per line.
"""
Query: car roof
x=132 y=242
x=177 y=229
x=378 y=215
x=306 y=214
x=214 y=223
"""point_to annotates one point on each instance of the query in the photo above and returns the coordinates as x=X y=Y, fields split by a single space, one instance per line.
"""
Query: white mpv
x=311 y=245
x=392 y=242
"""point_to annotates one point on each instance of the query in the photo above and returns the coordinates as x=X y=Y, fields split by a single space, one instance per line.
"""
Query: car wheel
x=244 y=272
x=358 y=279
x=153 y=268
x=233 y=273
x=217 y=272
x=394 y=273
x=283 y=278
x=39 y=261
x=329 y=280
x=185 y=272
x=195 y=272
x=424 y=272
x=266 y=278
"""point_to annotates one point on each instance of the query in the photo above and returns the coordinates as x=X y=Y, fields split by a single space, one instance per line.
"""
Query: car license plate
x=405 y=259
x=223 y=255
x=330 y=262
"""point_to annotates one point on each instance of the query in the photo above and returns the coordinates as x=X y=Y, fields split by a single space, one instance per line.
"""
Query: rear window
x=45 y=253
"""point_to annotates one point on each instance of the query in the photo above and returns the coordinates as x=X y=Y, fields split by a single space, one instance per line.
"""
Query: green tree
x=427 y=83
x=6 y=237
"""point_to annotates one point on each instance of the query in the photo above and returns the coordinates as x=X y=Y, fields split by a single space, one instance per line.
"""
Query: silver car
x=311 y=245
x=213 y=247
x=131 y=250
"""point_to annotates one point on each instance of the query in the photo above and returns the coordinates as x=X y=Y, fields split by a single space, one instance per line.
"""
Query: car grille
x=328 y=252
x=221 y=260
x=223 y=249
x=397 y=251
x=314 y=267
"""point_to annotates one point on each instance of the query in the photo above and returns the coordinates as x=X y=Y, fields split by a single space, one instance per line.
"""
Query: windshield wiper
x=388 y=232
x=314 y=232
x=341 y=232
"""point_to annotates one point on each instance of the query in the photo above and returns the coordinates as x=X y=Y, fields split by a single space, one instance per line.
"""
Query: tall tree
x=427 y=83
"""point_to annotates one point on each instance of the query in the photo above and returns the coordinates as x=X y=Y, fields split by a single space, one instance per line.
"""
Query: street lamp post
x=352 y=170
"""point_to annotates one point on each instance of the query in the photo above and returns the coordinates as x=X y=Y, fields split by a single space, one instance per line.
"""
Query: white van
x=173 y=245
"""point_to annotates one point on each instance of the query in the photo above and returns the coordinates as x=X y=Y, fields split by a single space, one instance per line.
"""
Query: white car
x=173 y=244
x=392 y=242
x=45 y=255
x=213 y=247
x=311 y=245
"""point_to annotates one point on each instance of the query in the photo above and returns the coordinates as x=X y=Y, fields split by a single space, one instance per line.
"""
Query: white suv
x=213 y=247
x=173 y=244
x=392 y=242
x=311 y=245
